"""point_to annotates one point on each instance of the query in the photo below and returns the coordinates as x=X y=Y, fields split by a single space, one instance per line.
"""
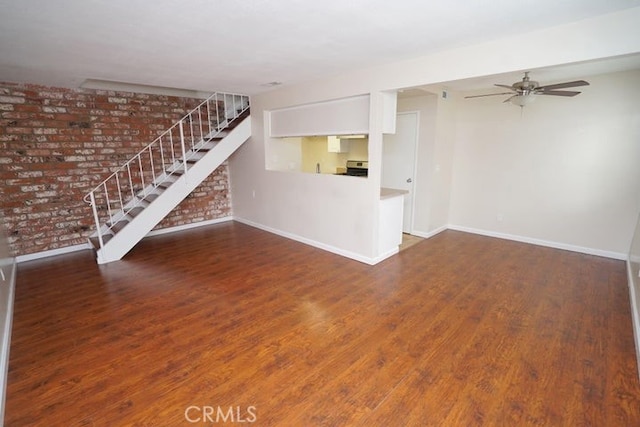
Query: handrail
x=165 y=157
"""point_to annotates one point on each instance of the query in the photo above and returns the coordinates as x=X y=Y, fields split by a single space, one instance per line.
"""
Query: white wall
x=343 y=214
x=444 y=162
x=283 y=154
x=7 y=291
x=633 y=271
x=562 y=170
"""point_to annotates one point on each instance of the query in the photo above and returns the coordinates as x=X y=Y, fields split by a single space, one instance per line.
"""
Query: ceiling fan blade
x=509 y=99
x=559 y=92
x=505 y=86
x=563 y=85
x=489 y=94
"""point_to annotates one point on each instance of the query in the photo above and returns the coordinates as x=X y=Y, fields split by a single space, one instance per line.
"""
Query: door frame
x=412 y=205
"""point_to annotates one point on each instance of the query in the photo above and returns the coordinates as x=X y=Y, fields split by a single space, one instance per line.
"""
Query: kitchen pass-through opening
x=321 y=154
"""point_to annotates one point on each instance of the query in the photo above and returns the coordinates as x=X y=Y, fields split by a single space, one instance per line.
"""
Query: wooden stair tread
x=230 y=125
x=150 y=197
x=165 y=184
x=241 y=116
x=136 y=211
x=118 y=226
x=195 y=159
x=95 y=242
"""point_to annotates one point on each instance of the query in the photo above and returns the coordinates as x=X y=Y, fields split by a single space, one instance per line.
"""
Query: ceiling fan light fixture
x=522 y=100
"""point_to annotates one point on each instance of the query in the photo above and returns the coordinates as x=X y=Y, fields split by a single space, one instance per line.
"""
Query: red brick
x=65 y=142
x=18 y=130
x=28 y=108
x=11 y=99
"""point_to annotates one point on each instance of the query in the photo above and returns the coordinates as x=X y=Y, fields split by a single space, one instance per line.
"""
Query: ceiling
x=245 y=46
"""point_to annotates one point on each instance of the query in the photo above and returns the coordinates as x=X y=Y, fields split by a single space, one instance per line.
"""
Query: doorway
x=399 y=162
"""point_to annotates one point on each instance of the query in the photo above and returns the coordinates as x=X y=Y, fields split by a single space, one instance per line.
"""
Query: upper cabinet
x=340 y=117
x=345 y=116
x=337 y=145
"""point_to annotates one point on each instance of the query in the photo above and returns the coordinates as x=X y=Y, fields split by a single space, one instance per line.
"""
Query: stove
x=357 y=168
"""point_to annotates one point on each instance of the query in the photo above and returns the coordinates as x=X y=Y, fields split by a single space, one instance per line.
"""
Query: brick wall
x=57 y=144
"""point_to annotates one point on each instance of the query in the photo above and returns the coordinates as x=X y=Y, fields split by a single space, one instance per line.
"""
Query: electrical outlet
x=253 y=194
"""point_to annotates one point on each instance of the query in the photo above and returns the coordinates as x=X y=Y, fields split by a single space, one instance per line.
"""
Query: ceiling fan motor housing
x=526 y=86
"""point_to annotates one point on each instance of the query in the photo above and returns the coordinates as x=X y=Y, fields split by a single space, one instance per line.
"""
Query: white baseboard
x=635 y=312
x=188 y=226
x=539 y=242
x=52 y=252
x=86 y=246
x=373 y=261
x=429 y=234
x=384 y=256
x=333 y=249
x=316 y=244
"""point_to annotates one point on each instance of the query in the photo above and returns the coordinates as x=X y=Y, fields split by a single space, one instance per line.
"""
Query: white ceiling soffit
x=545 y=76
x=243 y=46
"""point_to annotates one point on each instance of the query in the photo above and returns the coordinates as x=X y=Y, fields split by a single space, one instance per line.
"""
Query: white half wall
x=563 y=170
x=329 y=211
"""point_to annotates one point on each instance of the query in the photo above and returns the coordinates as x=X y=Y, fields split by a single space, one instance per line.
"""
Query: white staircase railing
x=160 y=162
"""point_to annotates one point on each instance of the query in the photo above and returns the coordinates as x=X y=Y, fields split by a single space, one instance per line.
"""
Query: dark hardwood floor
x=230 y=321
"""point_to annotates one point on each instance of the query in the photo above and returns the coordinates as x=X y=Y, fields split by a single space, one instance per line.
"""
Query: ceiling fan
x=522 y=92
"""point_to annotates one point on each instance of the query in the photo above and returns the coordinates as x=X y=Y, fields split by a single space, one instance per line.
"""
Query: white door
x=398 y=162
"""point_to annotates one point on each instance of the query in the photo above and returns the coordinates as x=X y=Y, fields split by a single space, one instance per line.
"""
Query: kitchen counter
x=386 y=193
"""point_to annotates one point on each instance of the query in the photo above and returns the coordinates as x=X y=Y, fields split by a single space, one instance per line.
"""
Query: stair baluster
x=128 y=191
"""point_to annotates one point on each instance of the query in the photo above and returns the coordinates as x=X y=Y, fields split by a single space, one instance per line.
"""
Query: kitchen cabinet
x=337 y=145
x=337 y=117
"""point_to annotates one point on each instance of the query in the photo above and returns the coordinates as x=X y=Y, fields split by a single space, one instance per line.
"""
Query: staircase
x=137 y=196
